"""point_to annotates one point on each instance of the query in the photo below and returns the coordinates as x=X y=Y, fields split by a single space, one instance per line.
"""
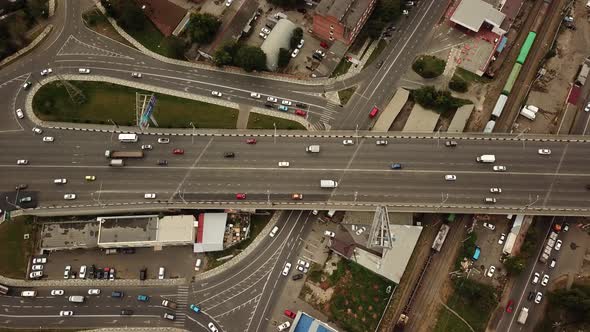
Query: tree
x=110 y=11
x=284 y=57
x=176 y=46
x=286 y=3
x=458 y=84
x=203 y=27
x=250 y=58
x=222 y=57
x=296 y=37
x=438 y=100
x=576 y=302
x=514 y=265
x=131 y=16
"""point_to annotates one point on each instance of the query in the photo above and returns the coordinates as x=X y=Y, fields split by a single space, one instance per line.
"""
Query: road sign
x=144 y=121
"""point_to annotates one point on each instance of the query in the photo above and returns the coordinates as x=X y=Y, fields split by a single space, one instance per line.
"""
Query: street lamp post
x=193 y=135
x=443 y=199
x=268 y=196
x=112 y=132
x=524 y=131
x=16 y=206
x=356 y=133
x=275 y=134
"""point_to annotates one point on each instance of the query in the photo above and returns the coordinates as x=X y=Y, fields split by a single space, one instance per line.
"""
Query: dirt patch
x=400 y=121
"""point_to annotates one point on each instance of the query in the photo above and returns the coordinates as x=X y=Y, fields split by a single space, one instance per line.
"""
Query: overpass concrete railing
x=91 y=282
x=122 y=207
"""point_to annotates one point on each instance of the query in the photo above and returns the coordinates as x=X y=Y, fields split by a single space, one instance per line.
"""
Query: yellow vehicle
x=90 y=177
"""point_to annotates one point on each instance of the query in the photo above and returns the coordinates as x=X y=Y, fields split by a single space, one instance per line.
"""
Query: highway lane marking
x=187 y=174
x=356 y=170
x=74 y=316
x=548 y=193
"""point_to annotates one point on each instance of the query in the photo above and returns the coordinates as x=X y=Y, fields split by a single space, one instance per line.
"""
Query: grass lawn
x=359 y=297
x=380 y=47
x=96 y=21
x=106 y=101
x=261 y=121
x=346 y=94
x=429 y=66
x=152 y=39
x=14 y=250
x=342 y=68
x=448 y=321
x=257 y=224
x=471 y=77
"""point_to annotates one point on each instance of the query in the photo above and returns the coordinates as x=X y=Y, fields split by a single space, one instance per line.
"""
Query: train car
x=511 y=79
x=499 y=107
x=440 y=237
x=489 y=127
x=526 y=47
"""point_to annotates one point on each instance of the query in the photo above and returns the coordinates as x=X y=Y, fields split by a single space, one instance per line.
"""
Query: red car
x=510 y=306
x=251 y=141
x=290 y=313
x=374 y=112
x=241 y=196
x=324 y=44
x=178 y=151
x=300 y=112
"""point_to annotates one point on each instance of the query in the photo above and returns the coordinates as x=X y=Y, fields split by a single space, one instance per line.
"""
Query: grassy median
x=14 y=249
x=261 y=121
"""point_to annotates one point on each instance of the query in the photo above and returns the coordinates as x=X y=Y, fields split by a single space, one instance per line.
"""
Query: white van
x=198 y=264
x=274 y=231
x=29 y=293
x=76 y=299
x=161 y=272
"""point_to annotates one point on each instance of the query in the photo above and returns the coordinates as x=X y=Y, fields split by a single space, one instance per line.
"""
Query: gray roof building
x=471 y=14
x=278 y=38
x=210 y=232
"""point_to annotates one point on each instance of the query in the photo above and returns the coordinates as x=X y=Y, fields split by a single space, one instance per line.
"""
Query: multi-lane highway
x=554 y=183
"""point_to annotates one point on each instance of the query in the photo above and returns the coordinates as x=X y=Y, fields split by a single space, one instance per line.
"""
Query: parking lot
x=178 y=261
x=491 y=249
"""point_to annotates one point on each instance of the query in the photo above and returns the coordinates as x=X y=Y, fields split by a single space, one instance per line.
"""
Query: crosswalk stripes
x=182 y=301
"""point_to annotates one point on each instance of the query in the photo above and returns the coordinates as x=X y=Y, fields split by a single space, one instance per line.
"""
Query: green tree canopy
x=250 y=58
x=284 y=57
x=296 y=37
x=203 y=27
x=131 y=16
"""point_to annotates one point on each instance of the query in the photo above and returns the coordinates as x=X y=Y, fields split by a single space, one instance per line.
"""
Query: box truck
x=486 y=158
x=330 y=184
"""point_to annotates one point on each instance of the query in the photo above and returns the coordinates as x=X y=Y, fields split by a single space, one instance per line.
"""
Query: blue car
x=283 y=108
x=396 y=166
x=195 y=308
x=143 y=298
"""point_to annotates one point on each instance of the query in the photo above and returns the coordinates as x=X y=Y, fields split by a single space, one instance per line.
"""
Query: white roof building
x=210 y=232
x=471 y=14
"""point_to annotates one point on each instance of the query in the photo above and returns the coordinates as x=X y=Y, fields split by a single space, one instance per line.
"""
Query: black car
x=317 y=56
x=128 y=250
x=297 y=276
x=531 y=296
x=269 y=104
x=117 y=294
x=229 y=155
x=142 y=274
x=126 y=312
x=162 y=162
x=91 y=272
x=99 y=274
x=451 y=143
x=302 y=105
x=379 y=64
x=21 y=186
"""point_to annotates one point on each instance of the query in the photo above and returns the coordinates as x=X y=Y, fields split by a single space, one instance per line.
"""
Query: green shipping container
x=512 y=78
x=526 y=47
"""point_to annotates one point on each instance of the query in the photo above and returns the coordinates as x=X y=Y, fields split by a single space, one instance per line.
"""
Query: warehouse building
x=279 y=37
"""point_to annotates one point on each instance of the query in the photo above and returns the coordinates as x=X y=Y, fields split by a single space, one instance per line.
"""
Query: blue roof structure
x=305 y=323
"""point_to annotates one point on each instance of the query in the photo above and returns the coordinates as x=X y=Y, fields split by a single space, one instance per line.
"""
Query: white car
x=489 y=226
x=163 y=140
x=149 y=195
x=491 y=271
x=348 y=142
x=69 y=197
x=84 y=71
x=136 y=75
x=57 y=292
x=94 y=291
x=381 y=142
x=37 y=267
x=558 y=245
x=539 y=297
x=212 y=327
x=495 y=190
x=46 y=71
x=283 y=164
x=146 y=147
x=39 y=260
x=587 y=108
x=295 y=52
x=286 y=102
x=19 y=113
x=272 y=99
x=262 y=35
x=82 y=273
x=60 y=181
x=228 y=3
x=216 y=93
x=329 y=233
x=27 y=85
x=255 y=95
x=502 y=238
x=67 y=272
x=36 y=274
x=301 y=42
x=360 y=230
x=48 y=139
x=286 y=269
x=284 y=326
x=450 y=177
x=545 y=280
x=544 y=151
x=536 y=278
x=405 y=12
x=320 y=52
x=169 y=316
x=38 y=131
x=66 y=313
x=499 y=168
x=22 y=162
x=265 y=30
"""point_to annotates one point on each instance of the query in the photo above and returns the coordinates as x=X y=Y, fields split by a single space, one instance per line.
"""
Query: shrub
x=458 y=84
x=428 y=66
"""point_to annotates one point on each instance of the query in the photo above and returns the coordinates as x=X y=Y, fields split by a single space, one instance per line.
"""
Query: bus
x=128 y=138
x=3 y=289
x=476 y=254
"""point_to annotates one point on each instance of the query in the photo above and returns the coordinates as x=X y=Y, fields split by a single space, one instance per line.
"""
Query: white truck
x=486 y=158
x=528 y=114
x=313 y=148
x=117 y=163
x=524 y=313
x=330 y=184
